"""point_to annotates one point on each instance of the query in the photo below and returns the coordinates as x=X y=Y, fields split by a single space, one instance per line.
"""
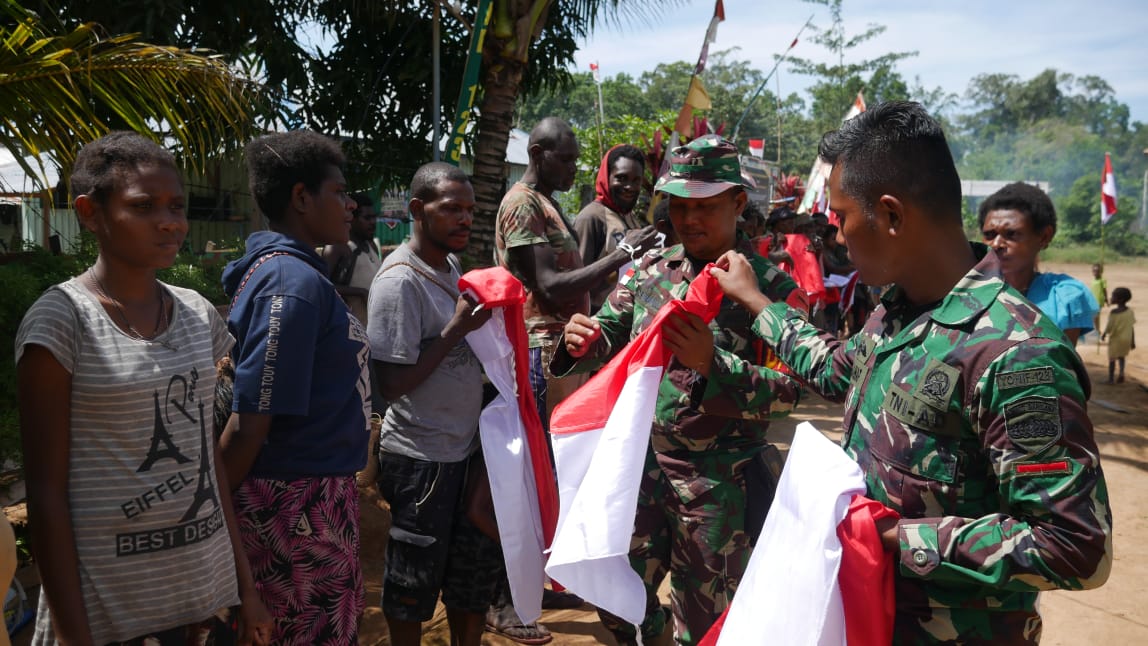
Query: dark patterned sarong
x=302 y=539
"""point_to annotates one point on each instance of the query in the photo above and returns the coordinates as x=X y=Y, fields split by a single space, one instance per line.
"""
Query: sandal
x=532 y=635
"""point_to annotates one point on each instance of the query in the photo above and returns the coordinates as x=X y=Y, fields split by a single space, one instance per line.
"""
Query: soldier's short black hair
x=627 y=151
x=278 y=161
x=425 y=183
x=101 y=163
x=1023 y=198
x=895 y=148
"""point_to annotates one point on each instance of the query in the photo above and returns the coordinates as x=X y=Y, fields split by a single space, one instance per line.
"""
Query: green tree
x=839 y=81
x=62 y=87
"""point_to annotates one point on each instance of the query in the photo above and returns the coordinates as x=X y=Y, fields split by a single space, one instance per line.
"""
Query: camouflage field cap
x=704 y=167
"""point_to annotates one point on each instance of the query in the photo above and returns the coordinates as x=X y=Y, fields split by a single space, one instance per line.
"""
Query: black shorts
x=432 y=546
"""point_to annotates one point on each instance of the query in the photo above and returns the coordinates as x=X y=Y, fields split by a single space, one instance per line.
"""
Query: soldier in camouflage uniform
x=707 y=437
x=964 y=405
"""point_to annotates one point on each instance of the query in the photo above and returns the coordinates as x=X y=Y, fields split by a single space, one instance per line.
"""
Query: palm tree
x=60 y=91
x=515 y=26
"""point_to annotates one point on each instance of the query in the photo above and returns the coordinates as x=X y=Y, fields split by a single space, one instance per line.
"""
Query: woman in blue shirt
x=1018 y=222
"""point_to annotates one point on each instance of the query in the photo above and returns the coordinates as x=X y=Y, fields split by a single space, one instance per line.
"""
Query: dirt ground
x=1112 y=614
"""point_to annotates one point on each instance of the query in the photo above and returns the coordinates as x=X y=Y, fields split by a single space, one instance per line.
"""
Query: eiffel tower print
x=161 y=438
x=205 y=491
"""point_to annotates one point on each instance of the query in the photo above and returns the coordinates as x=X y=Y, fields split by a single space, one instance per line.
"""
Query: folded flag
x=820 y=538
x=601 y=434
x=513 y=442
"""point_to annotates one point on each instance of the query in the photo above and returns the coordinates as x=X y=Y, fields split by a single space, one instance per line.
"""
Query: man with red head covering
x=602 y=224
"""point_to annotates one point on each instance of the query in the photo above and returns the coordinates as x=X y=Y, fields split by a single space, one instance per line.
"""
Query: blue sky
x=955 y=40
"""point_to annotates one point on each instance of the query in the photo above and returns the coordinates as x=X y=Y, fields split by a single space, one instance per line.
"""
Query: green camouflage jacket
x=969 y=419
x=695 y=414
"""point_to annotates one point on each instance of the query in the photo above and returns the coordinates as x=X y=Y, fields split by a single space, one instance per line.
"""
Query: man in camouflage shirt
x=964 y=405
x=708 y=436
x=535 y=242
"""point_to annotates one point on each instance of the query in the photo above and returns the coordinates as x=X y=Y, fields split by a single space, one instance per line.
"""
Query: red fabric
x=496 y=287
x=806 y=267
x=866 y=575
x=589 y=407
x=602 y=184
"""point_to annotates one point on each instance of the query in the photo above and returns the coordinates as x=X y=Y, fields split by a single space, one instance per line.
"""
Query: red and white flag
x=601 y=434
x=594 y=71
x=1107 y=192
x=513 y=442
x=820 y=538
x=757 y=148
x=816 y=196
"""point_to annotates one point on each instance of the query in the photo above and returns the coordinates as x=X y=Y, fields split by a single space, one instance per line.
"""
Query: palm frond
x=58 y=92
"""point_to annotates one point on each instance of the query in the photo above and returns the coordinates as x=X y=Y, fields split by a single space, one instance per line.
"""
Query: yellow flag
x=697 y=97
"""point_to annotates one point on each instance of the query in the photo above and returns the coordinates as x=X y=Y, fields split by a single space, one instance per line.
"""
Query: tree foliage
x=61 y=87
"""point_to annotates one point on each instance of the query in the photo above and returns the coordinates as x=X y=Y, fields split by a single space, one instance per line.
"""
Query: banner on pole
x=462 y=112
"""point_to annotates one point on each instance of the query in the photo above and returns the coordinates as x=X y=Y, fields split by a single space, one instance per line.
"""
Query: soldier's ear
x=894 y=211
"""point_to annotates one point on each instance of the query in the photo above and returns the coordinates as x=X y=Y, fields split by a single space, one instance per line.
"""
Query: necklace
x=160 y=319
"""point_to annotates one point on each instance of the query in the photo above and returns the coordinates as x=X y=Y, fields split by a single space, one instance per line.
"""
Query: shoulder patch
x=937 y=384
x=1033 y=423
x=1025 y=378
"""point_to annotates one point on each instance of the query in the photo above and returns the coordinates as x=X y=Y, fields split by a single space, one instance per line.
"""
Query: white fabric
x=1108 y=192
x=509 y=469
x=798 y=546
x=599 y=473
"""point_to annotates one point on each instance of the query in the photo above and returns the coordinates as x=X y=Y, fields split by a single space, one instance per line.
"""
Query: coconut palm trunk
x=516 y=24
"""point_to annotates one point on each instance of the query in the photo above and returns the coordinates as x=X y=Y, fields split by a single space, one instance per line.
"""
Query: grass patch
x=1087 y=253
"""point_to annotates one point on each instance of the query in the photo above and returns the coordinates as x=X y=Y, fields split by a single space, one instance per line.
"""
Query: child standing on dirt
x=1120 y=329
x=1099 y=288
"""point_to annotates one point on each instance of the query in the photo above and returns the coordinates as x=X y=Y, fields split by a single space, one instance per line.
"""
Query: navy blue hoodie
x=299 y=356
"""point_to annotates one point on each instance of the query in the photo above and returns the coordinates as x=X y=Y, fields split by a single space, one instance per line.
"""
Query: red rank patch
x=1045 y=468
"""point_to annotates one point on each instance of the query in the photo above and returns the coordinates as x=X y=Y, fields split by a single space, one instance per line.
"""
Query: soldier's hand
x=580 y=333
x=641 y=240
x=468 y=317
x=739 y=282
x=691 y=341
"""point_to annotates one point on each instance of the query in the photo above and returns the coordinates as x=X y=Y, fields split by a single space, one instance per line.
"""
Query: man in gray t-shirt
x=417 y=325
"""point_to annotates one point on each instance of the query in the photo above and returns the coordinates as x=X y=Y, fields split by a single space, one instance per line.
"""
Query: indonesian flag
x=601 y=434
x=513 y=442
x=757 y=148
x=594 y=70
x=1107 y=192
x=816 y=196
x=820 y=538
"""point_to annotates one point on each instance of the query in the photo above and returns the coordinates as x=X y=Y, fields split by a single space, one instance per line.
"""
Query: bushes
x=24 y=276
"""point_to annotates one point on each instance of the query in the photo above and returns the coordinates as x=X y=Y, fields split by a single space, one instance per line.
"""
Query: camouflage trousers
x=694 y=531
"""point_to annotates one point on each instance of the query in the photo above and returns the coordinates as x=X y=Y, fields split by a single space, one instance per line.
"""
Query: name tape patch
x=1025 y=378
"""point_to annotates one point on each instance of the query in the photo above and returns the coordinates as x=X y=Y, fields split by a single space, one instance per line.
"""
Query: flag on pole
x=696 y=97
x=512 y=439
x=600 y=435
x=816 y=198
x=820 y=538
x=757 y=148
x=594 y=70
x=1107 y=192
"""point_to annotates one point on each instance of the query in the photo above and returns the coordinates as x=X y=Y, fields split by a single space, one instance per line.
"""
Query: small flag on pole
x=1107 y=192
x=757 y=148
x=594 y=70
